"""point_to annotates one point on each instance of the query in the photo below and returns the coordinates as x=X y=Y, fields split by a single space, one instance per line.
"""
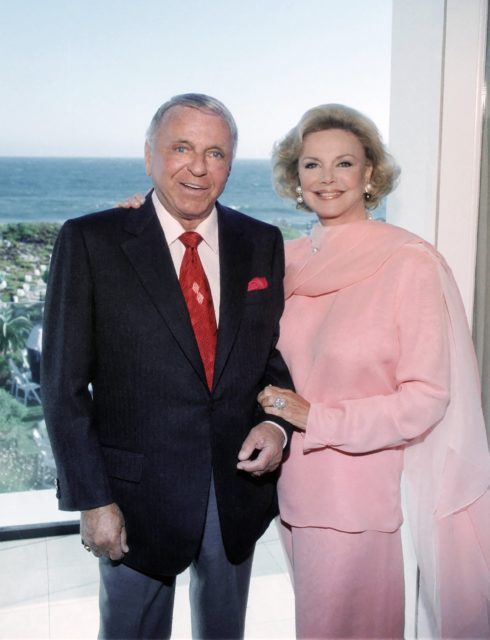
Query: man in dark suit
x=151 y=404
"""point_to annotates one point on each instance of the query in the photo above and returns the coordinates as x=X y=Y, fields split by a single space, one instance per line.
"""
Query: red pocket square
x=257 y=283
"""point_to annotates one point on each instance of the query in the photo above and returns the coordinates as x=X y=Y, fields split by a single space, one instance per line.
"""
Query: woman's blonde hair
x=286 y=152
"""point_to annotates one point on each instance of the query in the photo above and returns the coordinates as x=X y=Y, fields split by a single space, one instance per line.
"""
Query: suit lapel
x=148 y=252
x=235 y=253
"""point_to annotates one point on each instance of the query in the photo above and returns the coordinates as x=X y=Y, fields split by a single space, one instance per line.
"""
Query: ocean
x=55 y=189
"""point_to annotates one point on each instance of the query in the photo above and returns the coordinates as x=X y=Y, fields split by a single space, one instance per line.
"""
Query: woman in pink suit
x=376 y=339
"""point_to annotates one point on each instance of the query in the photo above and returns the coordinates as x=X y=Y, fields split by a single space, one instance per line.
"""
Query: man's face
x=189 y=161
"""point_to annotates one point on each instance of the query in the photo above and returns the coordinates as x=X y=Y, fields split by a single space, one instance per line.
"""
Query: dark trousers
x=133 y=605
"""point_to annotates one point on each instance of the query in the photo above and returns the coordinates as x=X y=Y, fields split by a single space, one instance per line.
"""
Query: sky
x=84 y=77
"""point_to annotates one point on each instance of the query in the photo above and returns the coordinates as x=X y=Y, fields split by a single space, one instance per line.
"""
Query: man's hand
x=133 y=202
x=103 y=530
x=268 y=440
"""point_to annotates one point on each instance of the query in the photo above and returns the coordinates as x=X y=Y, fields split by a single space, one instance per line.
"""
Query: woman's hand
x=133 y=202
x=285 y=403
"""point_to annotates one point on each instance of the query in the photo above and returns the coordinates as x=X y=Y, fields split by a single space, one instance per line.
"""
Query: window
x=77 y=109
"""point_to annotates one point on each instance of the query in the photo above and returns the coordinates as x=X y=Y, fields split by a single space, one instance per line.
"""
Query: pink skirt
x=346 y=585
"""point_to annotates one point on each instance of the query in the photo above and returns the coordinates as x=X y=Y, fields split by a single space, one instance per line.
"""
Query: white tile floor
x=48 y=589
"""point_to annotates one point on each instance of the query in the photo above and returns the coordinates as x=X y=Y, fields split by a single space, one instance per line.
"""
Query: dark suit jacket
x=152 y=433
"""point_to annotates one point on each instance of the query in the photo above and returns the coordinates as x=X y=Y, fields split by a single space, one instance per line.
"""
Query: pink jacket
x=375 y=336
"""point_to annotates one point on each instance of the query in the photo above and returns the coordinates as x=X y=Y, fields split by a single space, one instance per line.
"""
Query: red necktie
x=197 y=294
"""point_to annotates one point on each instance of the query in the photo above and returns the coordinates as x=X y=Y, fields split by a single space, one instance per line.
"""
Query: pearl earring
x=299 y=197
x=367 y=197
x=367 y=191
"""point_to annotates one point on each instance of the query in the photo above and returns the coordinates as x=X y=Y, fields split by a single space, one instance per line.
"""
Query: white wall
x=415 y=112
x=461 y=139
x=437 y=93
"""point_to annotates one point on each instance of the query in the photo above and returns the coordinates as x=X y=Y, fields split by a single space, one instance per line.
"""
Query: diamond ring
x=279 y=403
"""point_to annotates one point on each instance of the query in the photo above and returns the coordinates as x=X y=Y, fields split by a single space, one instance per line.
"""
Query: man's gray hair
x=195 y=101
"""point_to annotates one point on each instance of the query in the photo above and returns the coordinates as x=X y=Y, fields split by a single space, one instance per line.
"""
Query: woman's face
x=333 y=174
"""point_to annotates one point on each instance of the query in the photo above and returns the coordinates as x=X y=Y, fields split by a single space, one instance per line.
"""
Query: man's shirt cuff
x=282 y=429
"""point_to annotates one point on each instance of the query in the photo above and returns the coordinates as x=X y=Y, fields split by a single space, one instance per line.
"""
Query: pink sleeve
x=421 y=377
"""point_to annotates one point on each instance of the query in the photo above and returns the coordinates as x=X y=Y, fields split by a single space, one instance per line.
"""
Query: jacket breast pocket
x=123 y=465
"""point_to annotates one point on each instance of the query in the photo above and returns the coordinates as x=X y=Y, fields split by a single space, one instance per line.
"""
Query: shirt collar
x=172 y=229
